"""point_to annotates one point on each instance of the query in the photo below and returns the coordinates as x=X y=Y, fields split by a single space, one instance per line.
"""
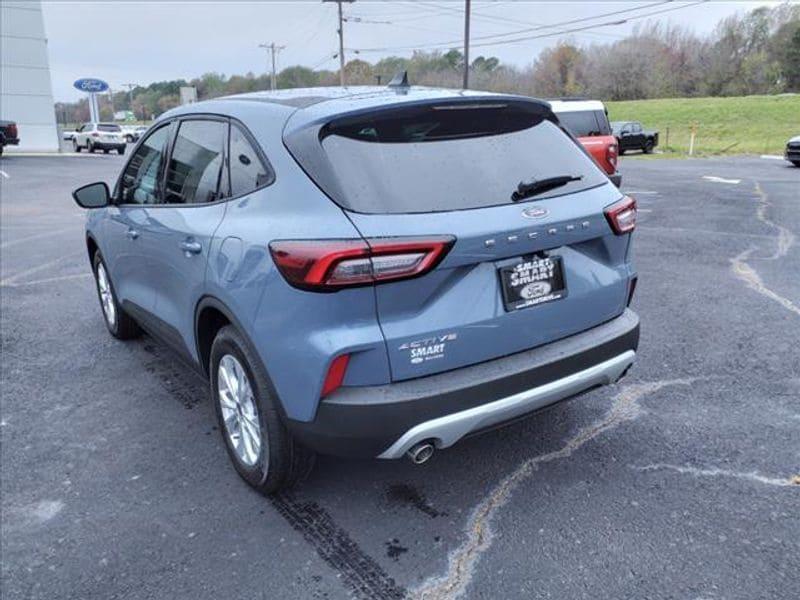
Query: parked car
x=99 y=136
x=364 y=272
x=631 y=136
x=792 y=153
x=9 y=135
x=132 y=133
x=587 y=120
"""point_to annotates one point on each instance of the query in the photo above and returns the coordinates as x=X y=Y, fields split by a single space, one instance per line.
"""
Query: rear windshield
x=108 y=127
x=585 y=123
x=443 y=158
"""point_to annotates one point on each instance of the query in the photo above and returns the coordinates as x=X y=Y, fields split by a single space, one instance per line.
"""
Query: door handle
x=191 y=247
x=132 y=233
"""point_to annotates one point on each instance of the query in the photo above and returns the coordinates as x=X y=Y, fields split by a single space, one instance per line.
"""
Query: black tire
x=124 y=327
x=620 y=151
x=121 y=150
x=105 y=150
x=89 y=147
x=648 y=147
x=286 y=462
x=796 y=163
x=75 y=145
x=129 y=139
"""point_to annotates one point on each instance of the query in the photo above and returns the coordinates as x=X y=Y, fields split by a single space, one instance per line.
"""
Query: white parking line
x=715 y=179
x=11 y=279
x=772 y=156
x=49 y=280
x=35 y=236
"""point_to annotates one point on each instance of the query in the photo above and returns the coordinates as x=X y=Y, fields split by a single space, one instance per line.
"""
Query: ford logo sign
x=535 y=213
x=88 y=84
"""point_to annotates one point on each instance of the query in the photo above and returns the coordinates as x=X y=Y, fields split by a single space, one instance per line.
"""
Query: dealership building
x=26 y=93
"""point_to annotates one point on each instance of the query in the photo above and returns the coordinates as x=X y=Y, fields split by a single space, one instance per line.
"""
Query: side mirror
x=93 y=195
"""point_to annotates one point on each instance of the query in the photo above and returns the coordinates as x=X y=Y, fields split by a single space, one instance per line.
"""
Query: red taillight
x=335 y=376
x=327 y=265
x=612 y=154
x=622 y=215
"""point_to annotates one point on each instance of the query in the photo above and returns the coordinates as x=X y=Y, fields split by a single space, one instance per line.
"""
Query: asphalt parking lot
x=675 y=483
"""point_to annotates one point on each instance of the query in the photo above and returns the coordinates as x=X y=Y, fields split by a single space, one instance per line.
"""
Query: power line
x=434 y=45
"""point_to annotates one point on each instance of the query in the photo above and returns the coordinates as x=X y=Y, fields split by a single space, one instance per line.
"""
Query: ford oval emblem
x=91 y=85
x=535 y=213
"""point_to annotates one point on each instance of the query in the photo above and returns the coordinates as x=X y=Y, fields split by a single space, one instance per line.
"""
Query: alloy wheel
x=239 y=411
x=106 y=296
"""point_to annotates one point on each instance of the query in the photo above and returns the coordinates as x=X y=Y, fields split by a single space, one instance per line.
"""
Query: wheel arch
x=211 y=314
x=92 y=247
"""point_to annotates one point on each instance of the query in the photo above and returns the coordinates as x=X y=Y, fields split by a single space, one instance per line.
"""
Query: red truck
x=587 y=120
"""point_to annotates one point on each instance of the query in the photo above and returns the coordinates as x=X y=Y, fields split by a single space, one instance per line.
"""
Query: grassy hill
x=737 y=125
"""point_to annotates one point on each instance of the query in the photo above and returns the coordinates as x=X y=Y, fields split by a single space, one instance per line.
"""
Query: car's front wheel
x=75 y=145
x=796 y=163
x=258 y=443
x=121 y=150
x=118 y=322
x=90 y=147
x=648 y=147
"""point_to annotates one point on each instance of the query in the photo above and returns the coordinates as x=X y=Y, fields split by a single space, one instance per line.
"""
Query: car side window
x=196 y=162
x=140 y=180
x=247 y=171
x=637 y=128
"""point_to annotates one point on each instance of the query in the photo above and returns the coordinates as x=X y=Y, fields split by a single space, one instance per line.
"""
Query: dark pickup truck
x=8 y=134
x=631 y=136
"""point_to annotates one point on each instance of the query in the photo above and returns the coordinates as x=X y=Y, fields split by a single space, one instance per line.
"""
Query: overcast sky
x=142 y=42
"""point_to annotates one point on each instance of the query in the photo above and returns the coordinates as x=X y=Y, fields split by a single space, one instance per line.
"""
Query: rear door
x=520 y=273
x=183 y=226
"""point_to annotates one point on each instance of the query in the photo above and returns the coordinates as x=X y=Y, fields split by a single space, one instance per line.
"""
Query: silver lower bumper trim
x=446 y=431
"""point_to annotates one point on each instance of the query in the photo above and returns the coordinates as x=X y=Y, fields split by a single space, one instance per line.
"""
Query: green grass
x=737 y=125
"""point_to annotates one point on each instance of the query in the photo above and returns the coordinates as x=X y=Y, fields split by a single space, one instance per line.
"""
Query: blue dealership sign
x=91 y=85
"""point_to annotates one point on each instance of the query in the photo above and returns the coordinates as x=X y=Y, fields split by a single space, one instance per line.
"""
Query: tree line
x=757 y=52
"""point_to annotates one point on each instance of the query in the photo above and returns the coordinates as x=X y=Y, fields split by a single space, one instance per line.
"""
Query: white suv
x=99 y=136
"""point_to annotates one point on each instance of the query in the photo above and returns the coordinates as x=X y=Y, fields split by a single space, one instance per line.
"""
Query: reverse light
x=622 y=215
x=335 y=376
x=328 y=265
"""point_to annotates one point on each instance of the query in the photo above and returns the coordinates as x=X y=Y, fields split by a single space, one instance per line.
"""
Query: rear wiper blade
x=526 y=189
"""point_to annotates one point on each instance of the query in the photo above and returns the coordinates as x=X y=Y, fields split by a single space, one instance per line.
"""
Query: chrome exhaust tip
x=420 y=452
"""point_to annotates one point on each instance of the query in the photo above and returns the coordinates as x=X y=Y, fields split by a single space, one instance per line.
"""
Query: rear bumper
x=385 y=421
x=109 y=145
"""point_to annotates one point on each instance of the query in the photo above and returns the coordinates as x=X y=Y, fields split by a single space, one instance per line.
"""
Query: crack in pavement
x=715 y=472
x=744 y=271
x=463 y=560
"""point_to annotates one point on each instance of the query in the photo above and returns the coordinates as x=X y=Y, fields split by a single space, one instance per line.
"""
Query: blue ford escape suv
x=367 y=271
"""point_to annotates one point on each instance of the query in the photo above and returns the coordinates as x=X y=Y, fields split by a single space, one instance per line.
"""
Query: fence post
x=666 y=139
x=691 y=138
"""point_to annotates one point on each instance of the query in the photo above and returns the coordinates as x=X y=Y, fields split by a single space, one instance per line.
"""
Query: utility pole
x=130 y=87
x=273 y=50
x=466 y=43
x=340 y=31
